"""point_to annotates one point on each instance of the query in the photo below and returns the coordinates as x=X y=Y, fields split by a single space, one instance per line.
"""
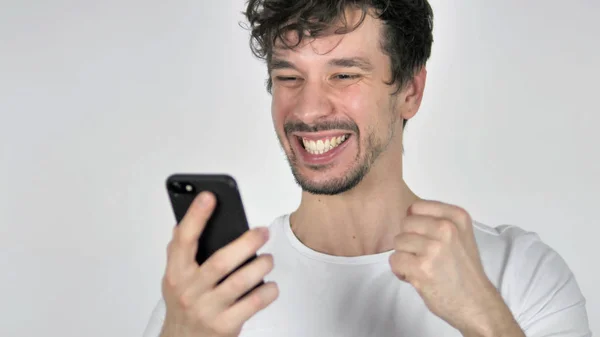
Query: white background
x=101 y=100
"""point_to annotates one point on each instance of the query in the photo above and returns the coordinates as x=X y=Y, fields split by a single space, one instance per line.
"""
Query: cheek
x=280 y=108
x=356 y=103
x=274 y=110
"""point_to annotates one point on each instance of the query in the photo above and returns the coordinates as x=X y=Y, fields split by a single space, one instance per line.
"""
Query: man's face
x=332 y=111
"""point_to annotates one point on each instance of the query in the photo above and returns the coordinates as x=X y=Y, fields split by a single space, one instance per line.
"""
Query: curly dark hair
x=407 y=36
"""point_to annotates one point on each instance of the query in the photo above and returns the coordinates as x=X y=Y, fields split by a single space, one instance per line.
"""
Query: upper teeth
x=322 y=145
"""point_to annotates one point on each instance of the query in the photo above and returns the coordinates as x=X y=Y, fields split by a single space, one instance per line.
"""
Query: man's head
x=345 y=77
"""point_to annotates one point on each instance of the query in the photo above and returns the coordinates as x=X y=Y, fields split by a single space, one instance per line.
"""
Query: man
x=362 y=255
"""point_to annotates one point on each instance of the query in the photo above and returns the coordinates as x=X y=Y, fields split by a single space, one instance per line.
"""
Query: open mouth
x=322 y=145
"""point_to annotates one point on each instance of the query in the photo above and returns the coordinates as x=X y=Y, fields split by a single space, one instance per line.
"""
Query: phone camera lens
x=176 y=187
x=182 y=187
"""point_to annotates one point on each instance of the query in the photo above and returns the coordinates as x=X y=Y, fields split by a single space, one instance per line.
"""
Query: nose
x=313 y=102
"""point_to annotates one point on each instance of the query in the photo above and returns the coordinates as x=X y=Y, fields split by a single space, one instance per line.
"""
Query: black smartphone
x=228 y=220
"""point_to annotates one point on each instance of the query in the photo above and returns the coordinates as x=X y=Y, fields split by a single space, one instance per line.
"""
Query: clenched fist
x=437 y=254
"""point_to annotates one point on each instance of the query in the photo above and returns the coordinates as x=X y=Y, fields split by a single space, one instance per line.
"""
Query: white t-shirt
x=322 y=295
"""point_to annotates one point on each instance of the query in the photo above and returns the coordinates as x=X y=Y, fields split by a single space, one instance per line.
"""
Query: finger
x=185 y=235
x=416 y=244
x=405 y=266
x=227 y=259
x=194 y=221
x=252 y=303
x=430 y=227
x=242 y=281
x=442 y=210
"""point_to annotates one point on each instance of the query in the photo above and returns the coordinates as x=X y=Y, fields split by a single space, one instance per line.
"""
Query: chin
x=323 y=181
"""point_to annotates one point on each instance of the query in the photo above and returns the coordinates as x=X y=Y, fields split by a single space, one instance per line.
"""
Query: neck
x=362 y=221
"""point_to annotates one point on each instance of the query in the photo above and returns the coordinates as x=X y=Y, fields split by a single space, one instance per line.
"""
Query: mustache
x=297 y=126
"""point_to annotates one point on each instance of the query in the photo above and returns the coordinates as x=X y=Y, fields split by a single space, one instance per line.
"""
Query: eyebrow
x=280 y=64
x=348 y=62
x=352 y=62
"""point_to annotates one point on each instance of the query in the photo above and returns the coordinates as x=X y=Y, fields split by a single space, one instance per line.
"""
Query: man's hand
x=196 y=305
x=437 y=254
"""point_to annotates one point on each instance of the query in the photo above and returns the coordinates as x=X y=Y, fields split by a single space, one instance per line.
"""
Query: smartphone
x=228 y=220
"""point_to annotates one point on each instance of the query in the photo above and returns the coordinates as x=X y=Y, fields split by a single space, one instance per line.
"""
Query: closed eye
x=346 y=76
x=286 y=78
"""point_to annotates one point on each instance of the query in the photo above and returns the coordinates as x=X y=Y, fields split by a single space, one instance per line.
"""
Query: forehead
x=364 y=41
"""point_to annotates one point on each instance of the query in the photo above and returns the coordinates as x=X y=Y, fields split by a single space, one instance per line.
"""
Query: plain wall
x=101 y=100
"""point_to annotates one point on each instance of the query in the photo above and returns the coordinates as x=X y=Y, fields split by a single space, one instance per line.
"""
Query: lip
x=320 y=159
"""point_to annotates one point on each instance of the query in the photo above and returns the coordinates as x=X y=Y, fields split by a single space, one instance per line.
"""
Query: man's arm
x=498 y=321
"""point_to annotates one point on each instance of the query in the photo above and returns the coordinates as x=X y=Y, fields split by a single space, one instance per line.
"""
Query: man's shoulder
x=510 y=239
x=519 y=262
x=499 y=232
x=533 y=278
x=513 y=256
x=510 y=244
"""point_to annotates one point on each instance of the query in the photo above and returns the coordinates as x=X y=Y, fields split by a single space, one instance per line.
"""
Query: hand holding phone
x=218 y=295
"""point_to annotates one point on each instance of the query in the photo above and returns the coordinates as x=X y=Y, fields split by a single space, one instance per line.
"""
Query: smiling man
x=362 y=255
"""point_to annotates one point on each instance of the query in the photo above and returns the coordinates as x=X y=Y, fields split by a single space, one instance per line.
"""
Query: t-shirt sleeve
x=154 y=325
x=546 y=297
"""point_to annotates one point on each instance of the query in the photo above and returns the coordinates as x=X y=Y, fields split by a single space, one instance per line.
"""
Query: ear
x=413 y=94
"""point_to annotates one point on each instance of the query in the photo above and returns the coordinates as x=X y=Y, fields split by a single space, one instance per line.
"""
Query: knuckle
x=461 y=211
x=257 y=301
x=447 y=228
x=181 y=239
x=248 y=241
x=203 y=214
x=426 y=268
x=219 y=264
x=434 y=248
x=238 y=283
x=170 y=280
x=184 y=301
x=462 y=215
x=171 y=246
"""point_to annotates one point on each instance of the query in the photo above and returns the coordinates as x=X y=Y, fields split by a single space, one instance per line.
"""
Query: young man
x=362 y=255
